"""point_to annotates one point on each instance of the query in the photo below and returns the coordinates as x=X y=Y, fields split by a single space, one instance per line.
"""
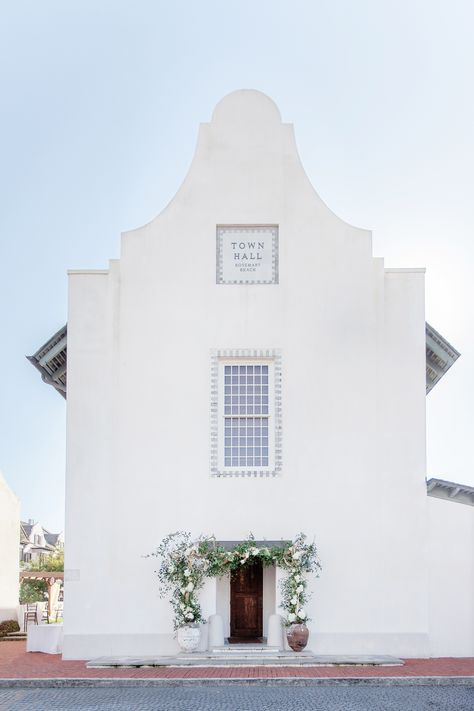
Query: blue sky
x=100 y=104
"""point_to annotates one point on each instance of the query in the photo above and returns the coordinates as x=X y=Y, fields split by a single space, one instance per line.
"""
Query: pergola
x=52 y=578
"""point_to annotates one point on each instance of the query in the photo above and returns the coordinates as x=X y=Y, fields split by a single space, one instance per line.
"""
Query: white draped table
x=45 y=638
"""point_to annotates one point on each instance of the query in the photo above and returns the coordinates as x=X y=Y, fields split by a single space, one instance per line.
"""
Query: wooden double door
x=246 y=602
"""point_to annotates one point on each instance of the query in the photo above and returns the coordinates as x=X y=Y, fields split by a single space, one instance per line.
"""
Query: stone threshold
x=258 y=659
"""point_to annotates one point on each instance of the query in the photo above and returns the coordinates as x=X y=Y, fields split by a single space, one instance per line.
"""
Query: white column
x=208 y=598
x=280 y=575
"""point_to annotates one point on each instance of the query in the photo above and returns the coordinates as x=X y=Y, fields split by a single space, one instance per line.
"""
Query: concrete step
x=236 y=649
x=16 y=637
x=208 y=659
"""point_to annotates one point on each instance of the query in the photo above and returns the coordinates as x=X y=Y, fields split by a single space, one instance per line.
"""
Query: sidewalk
x=16 y=663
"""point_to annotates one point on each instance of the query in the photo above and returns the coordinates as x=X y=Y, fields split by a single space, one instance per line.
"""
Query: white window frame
x=245 y=357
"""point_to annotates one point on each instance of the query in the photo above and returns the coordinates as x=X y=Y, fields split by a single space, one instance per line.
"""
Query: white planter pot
x=188 y=638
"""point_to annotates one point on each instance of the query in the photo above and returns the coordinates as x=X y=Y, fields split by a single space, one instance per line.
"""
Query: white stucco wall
x=351 y=335
x=9 y=551
x=451 y=594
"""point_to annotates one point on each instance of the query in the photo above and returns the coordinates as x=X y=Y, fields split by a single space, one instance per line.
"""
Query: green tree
x=33 y=591
x=54 y=562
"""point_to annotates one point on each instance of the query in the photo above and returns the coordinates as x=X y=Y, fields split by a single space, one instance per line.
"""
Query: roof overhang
x=451 y=491
x=440 y=355
x=51 y=359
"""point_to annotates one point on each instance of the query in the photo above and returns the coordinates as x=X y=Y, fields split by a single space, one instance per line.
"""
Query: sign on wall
x=247 y=255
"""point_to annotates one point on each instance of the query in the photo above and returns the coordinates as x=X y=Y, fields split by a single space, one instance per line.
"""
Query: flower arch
x=186 y=563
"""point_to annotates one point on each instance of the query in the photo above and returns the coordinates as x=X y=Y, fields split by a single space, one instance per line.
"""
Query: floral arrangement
x=184 y=566
x=186 y=563
x=299 y=558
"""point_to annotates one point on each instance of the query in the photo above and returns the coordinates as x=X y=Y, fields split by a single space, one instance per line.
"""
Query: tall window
x=246 y=415
x=246 y=411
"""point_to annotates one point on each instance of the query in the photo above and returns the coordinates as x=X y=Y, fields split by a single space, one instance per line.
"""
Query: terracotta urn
x=188 y=637
x=297 y=636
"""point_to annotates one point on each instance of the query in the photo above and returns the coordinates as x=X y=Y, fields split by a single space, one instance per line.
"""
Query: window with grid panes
x=246 y=415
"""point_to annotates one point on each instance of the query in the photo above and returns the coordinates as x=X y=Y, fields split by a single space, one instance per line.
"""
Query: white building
x=247 y=301
x=36 y=542
x=9 y=544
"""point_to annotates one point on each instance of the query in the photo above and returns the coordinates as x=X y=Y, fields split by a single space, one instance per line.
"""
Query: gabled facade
x=261 y=404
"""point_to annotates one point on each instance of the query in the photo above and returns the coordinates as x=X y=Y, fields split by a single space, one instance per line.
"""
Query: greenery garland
x=186 y=563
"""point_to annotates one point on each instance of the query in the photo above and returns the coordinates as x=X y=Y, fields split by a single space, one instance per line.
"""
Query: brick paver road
x=17 y=663
x=241 y=698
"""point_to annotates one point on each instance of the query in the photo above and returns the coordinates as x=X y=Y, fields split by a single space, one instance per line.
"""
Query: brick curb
x=51 y=683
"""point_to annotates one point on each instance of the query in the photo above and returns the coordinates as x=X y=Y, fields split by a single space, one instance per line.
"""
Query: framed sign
x=247 y=254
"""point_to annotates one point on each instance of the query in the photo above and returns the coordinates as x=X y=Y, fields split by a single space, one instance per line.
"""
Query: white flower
x=189 y=587
x=297 y=578
x=254 y=551
x=301 y=614
x=187 y=573
x=171 y=568
x=291 y=617
x=296 y=555
x=181 y=606
x=294 y=600
x=189 y=616
x=300 y=589
x=182 y=590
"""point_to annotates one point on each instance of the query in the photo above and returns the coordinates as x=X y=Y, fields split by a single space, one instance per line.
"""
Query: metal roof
x=51 y=361
x=51 y=538
x=440 y=355
x=450 y=490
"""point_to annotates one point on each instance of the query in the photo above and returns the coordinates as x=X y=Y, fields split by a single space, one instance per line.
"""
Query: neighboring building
x=451 y=568
x=9 y=538
x=36 y=542
x=247 y=365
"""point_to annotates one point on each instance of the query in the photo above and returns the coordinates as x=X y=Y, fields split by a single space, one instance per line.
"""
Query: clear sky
x=99 y=108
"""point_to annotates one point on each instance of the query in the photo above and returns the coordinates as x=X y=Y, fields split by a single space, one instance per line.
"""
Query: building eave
x=51 y=361
x=450 y=491
x=440 y=356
